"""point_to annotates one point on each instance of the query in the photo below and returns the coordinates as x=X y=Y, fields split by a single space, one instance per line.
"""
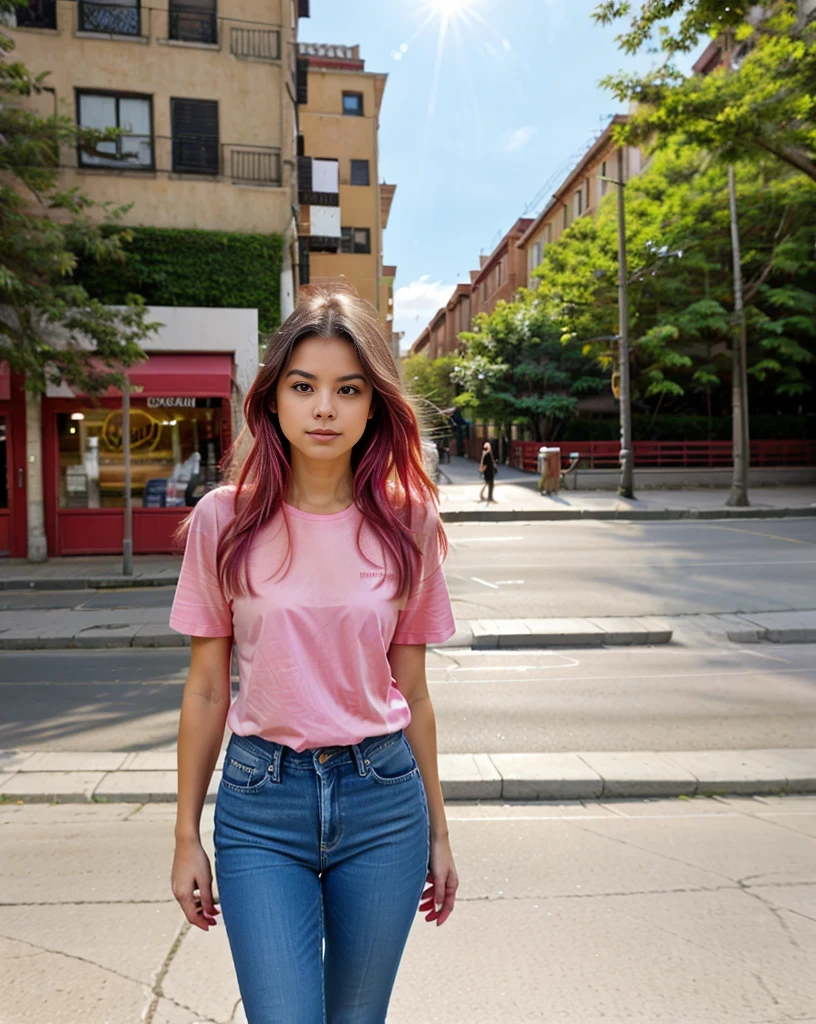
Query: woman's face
x=323 y=398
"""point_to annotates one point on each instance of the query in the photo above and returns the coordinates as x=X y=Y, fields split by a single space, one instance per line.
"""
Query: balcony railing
x=257 y=43
x=193 y=24
x=127 y=153
x=110 y=18
x=260 y=165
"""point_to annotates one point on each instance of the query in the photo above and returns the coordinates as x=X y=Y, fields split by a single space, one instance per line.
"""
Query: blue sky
x=474 y=120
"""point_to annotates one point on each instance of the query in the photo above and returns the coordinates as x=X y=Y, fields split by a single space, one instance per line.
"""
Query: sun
x=448 y=10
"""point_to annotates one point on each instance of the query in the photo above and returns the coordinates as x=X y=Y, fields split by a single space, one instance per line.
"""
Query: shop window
x=174 y=453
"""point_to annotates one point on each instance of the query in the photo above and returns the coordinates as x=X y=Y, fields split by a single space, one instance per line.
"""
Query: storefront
x=12 y=465
x=179 y=428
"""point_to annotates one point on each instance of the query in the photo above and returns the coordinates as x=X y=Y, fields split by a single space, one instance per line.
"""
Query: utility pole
x=626 y=489
x=739 y=365
x=127 y=538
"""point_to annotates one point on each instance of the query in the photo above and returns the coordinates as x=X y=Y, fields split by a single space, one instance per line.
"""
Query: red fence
x=667 y=454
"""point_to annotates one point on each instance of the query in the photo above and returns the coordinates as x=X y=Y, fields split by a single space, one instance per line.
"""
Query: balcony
x=253 y=165
x=192 y=24
x=255 y=43
x=109 y=18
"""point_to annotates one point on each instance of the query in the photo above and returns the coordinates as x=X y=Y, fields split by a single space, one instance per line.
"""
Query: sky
x=485 y=101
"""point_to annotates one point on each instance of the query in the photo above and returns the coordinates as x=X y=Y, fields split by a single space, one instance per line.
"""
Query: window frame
x=116 y=95
x=173 y=140
x=348 y=241
x=353 y=113
x=360 y=184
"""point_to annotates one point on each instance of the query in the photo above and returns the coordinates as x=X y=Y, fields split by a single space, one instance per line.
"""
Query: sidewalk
x=150 y=776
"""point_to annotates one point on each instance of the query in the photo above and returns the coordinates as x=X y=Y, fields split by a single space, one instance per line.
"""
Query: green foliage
x=517 y=370
x=768 y=107
x=186 y=267
x=681 y=285
x=49 y=326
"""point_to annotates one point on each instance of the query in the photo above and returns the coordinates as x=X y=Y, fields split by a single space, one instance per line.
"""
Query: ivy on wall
x=187 y=267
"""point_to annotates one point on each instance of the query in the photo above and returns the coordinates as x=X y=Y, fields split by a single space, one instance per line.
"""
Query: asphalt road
x=689 y=695
x=511 y=570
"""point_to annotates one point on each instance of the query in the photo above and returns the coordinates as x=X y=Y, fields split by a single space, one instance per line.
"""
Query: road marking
x=567 y=663
x=623 y=565
x=758 y=533
x=481 y=540
x=477 y=580
x=507 y=583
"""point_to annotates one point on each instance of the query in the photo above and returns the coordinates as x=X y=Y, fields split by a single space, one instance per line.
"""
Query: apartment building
x=441 y=336
x=344 y=207
x=578 y=195
x=206 y=98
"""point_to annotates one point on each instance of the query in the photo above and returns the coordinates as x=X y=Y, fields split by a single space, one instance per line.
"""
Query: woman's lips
x=321 y=436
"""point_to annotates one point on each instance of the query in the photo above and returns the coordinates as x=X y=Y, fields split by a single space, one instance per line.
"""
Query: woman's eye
x=350 y=389
x=301 y=384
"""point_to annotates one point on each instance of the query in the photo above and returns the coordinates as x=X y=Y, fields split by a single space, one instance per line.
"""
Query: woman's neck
x=320 y=487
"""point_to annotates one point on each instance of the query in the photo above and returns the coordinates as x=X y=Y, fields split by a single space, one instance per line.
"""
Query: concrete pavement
x=150 y=776
x=694 y=911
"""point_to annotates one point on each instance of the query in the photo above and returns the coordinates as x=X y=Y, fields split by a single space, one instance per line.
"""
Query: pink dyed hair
x=390 y=482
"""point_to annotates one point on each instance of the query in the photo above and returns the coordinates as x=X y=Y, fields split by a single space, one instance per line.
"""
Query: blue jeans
x=327 y=845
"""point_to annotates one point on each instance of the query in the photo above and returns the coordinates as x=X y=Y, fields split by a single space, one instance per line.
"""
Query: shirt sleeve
x=199 y=606
x=427 y=617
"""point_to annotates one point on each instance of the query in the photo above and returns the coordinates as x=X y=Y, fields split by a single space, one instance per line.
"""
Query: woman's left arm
x=408 y=668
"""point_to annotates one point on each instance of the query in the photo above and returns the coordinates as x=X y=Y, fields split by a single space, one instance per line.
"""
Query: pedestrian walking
x=322 y=564
x=487 y=467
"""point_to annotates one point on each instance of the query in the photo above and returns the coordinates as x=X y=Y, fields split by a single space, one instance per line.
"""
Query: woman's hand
x=191 y=873
x=444 y=882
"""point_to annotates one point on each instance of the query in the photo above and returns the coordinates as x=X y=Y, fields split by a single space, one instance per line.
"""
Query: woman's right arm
x=204 y=707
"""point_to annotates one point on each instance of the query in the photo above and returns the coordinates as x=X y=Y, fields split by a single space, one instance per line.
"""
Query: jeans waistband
x=281 y=754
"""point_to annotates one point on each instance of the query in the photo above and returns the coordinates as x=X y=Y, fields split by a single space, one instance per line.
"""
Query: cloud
x=416 y=303
x=518 y=138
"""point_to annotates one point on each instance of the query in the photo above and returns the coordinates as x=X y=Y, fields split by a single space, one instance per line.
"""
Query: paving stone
x=469 y=777
x=786 y=627
x=621 y=630
x=728 y=771
x=639 y=773
x=547 y=776
x=146 y=787
x=63 y=787
x=564 y=633
x=114 y=634
x=10 y=760
x=73 y=761
x=797 y=764
x=154 y=635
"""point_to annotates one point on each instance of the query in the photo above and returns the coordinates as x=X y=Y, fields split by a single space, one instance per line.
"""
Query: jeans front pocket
x=245 y=769
x=393 y=763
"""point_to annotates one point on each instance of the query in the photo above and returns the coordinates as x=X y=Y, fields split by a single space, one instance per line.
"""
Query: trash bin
x=551 y=471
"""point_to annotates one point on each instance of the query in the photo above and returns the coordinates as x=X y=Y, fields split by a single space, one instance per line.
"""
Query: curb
x=632 y=515
x=88 y=582
x=25 y=776
x=480 y=634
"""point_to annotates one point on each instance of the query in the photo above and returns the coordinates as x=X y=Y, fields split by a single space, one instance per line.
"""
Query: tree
x=50 y=329
x=429 y=382
x=681 y=286
x=768 y=108
x=516 y=369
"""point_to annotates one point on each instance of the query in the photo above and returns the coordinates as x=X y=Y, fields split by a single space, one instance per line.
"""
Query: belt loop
x=362 y=764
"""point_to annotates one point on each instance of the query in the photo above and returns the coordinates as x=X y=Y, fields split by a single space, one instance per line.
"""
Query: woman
x=323 y=564
x=487 y=467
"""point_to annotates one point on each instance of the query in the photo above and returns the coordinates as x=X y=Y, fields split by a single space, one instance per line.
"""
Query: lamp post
x=127 y=538
x=626 y=489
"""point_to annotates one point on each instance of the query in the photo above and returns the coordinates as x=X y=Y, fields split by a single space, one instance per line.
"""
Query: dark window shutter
x=359 y=172
x=303 y=79
x=195 y=136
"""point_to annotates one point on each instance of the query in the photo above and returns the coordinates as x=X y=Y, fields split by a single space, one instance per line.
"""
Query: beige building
x=206 y=96
x=343 y=206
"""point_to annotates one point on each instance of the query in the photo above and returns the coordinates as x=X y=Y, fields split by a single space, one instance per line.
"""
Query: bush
x=187 y=267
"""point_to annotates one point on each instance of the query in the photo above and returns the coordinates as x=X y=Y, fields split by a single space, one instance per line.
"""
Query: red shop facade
x=180 y=426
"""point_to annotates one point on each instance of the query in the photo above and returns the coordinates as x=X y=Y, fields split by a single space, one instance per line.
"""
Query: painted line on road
x=758 y=533
x=477 y=580
x=624 y=651
x=648 y=565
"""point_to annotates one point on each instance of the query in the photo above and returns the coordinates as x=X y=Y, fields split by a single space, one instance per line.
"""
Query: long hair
x=390 y=481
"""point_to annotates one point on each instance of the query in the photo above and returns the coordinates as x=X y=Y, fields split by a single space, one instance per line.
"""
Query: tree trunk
x=739 y=374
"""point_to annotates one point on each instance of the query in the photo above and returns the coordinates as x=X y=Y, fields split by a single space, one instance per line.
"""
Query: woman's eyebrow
x=312 y=376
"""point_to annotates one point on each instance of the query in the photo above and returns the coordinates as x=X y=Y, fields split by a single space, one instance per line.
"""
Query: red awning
x=5 y=382
x=192 y=375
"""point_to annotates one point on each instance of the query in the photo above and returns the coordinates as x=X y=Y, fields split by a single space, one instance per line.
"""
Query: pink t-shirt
x=312 y=645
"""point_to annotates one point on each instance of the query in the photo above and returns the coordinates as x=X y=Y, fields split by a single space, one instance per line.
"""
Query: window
x=170 y=447
x=535 y=255
x=578 y=203
x=34 y=14
x=359 y=172
x=122 y=18
x=357 y=240
x=193 y=21
x=133 y=115
x=301 y=144
x=194 y=124
x=604 y=184
x=353 y=103
x=566 y=216
x=586 y=193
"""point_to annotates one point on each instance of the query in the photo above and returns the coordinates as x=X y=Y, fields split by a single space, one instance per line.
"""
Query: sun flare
x=448 y=10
